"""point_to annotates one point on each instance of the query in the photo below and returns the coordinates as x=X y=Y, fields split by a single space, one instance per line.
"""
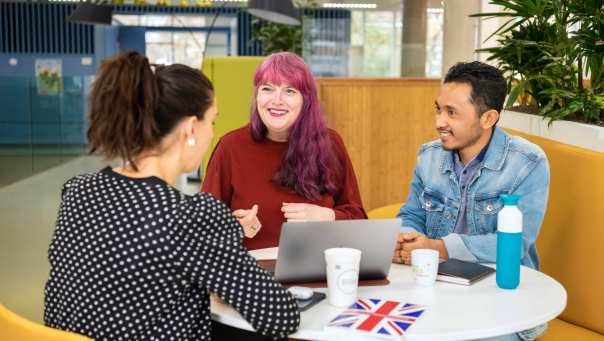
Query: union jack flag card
x=387 y=319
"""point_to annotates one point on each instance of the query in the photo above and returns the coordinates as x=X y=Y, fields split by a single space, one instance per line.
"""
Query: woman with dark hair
x=286 y=165
x=132 y=258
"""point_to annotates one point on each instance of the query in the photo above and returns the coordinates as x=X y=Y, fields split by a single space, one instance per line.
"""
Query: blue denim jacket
x=511 y=165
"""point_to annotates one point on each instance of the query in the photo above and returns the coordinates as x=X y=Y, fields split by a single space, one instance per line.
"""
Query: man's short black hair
x=488 y=85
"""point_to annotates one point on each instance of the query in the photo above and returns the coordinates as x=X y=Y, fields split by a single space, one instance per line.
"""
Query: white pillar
x=413 y=54
x=486 y=27
x=460 y=37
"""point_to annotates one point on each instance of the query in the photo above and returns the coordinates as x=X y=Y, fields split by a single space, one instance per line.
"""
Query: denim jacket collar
x=494 y=158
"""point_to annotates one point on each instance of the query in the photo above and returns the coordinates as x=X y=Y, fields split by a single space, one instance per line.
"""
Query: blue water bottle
x=509 y=242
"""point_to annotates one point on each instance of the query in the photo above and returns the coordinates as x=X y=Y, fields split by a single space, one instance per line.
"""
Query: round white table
x=453 y=312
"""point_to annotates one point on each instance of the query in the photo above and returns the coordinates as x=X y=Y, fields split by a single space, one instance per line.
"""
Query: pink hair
x=309 y=167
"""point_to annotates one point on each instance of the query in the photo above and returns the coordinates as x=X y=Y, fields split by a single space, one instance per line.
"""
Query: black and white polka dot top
x=135 y=259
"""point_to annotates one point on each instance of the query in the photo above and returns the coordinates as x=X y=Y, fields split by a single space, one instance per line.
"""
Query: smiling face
x=460 y=127
x=279 y=107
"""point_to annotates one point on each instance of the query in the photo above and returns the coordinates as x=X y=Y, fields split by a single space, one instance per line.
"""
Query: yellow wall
x=232 y=78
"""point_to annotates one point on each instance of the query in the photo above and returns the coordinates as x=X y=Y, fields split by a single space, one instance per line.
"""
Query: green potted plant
x=276 y=37
x=546 y=49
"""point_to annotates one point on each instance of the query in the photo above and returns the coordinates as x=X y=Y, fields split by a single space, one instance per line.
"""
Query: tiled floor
x=28 y=209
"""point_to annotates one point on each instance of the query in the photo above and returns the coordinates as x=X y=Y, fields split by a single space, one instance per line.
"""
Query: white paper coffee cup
x=342 y=275
x=425 y=266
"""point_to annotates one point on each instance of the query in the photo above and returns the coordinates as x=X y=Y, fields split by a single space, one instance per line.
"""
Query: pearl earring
x=191 y=141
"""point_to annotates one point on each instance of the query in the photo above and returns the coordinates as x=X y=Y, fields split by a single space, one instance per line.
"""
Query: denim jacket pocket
x=434 y=205
x=486 y=208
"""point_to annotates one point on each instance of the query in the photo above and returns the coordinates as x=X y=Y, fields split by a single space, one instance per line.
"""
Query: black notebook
x=461 y=272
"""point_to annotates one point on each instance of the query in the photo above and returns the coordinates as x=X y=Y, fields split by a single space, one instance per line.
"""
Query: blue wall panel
x=30 y=31
x=26 y=64
x=132 y=38
x=15 y=110
x=26 y=117
x=42 y=28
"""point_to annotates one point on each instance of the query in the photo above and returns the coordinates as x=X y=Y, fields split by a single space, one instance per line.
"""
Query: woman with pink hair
x=285 y=165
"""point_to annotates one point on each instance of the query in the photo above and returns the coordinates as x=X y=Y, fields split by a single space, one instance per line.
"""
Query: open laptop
x=301 y=245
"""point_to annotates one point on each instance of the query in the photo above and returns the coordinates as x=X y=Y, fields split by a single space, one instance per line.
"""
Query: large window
x=368 y=43
x=376 y=43
x=434 y=42
x=341 y=43
x=181 y=38
x=167 y=47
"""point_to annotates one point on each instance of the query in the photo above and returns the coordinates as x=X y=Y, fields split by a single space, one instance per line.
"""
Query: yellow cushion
x=558 y=330
x=571 y=239
x=15 y=327
x=389 y=211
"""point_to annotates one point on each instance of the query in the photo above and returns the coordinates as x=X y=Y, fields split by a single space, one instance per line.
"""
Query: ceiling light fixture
x=91 y=13
x=350 y=6
x=279 y=11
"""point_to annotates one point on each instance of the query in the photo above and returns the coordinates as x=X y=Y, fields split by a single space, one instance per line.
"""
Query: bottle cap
x=510 y=199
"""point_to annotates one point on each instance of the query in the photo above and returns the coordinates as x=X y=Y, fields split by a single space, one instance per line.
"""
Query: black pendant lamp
x=279 y=11
x=91 y=13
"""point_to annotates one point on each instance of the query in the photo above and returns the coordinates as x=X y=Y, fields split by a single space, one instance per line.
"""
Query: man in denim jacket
x=454 y=199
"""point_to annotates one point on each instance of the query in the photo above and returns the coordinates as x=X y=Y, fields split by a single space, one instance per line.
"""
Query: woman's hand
x=249 y=221
x=307 y=212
